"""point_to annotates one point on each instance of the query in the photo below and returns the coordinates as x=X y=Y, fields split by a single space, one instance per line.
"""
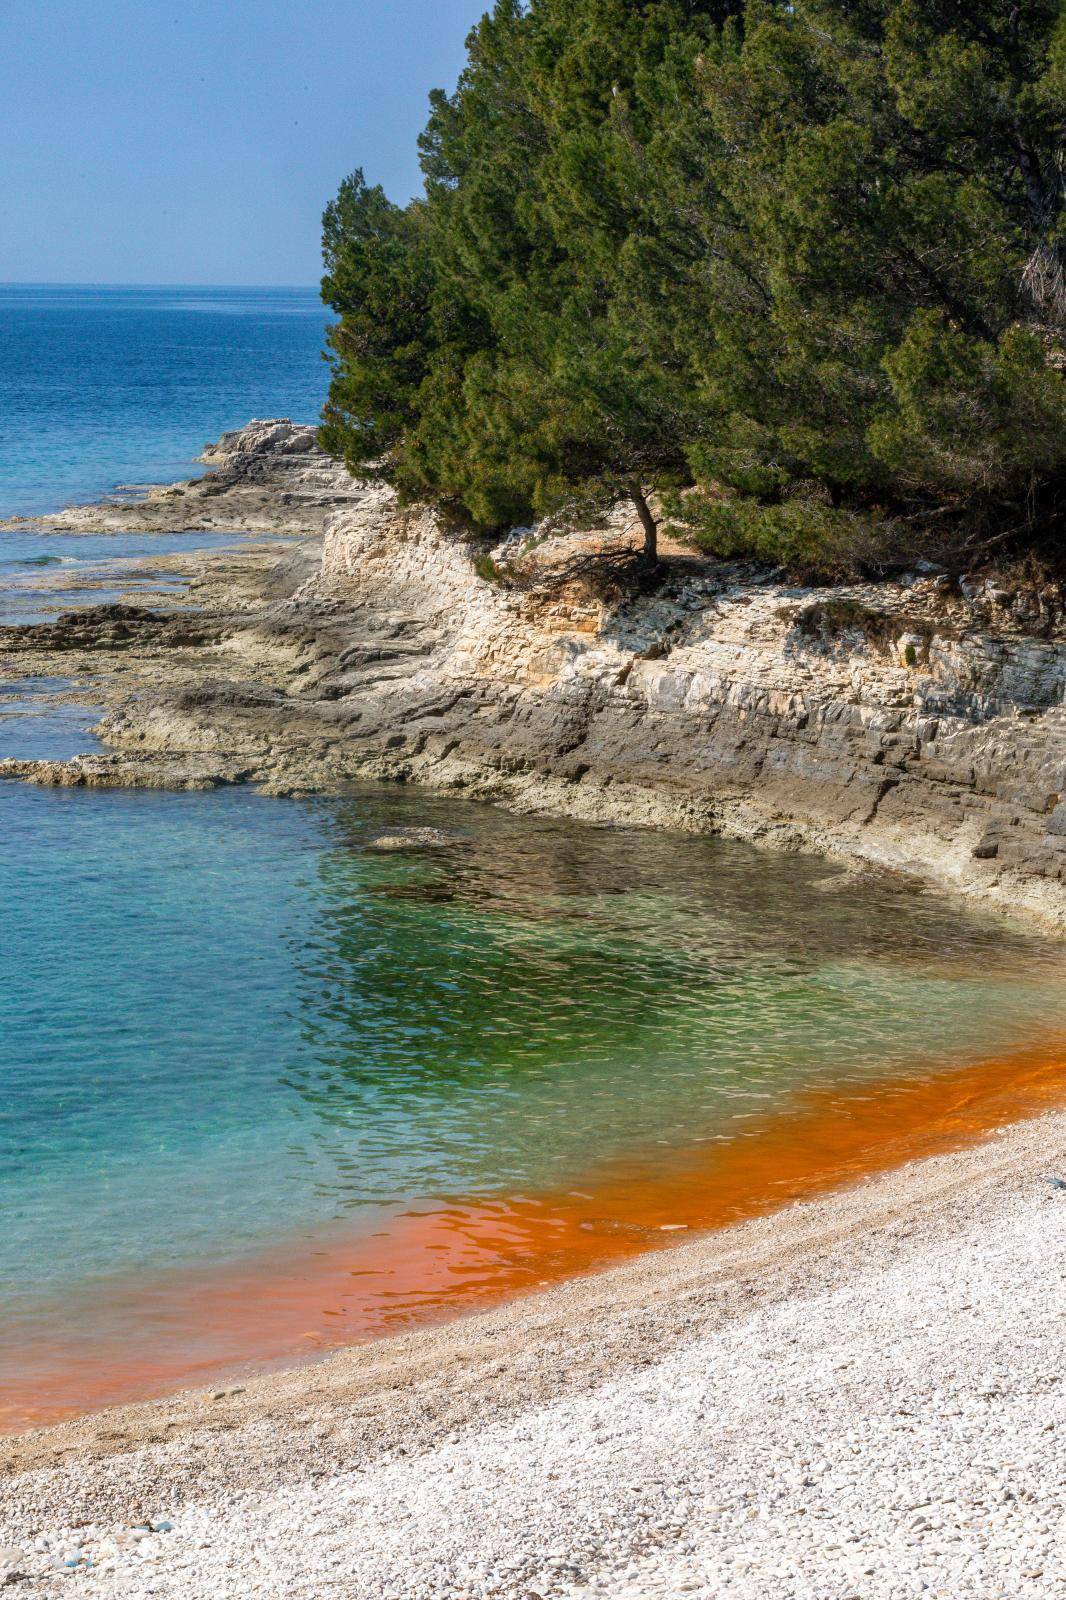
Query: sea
x=106 y=386
x=268 y=1085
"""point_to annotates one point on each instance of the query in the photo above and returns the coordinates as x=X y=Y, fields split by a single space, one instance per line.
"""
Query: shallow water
x=35 y=728
x=228 y=1022
x=44 y=574
x=30 y=558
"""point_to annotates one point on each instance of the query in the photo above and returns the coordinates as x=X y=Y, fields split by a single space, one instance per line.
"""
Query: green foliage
x=808 y=256
x=487 y=570
x=379 y=281
x=966 y=413
x=802 y=532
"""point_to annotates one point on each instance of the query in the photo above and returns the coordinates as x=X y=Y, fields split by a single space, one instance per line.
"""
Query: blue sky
x=195 y=142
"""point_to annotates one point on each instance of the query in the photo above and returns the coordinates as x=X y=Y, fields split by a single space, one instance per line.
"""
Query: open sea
x=265 y=1086
x=107 y=386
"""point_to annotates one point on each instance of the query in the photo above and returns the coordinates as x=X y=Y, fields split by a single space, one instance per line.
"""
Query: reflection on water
x=227 y=1022
x=533 y=995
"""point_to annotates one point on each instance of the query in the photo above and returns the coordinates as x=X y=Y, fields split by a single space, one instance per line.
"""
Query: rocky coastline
x=916 y=726
x=855 y=1394
x=268 y=477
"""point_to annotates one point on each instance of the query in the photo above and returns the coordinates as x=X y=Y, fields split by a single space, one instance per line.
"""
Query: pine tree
x=895 y=172
x=547 y=242
x=806 y=259
x=379 y=281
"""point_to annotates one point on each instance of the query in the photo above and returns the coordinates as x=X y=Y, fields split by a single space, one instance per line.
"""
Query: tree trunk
x=649 y=524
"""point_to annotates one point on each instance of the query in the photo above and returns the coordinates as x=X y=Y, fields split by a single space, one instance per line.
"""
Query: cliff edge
x=918 y=725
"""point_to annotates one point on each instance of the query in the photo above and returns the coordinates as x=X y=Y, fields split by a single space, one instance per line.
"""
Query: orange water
x=424 y=1265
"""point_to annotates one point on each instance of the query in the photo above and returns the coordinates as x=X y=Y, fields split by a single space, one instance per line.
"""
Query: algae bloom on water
x=238 y=1031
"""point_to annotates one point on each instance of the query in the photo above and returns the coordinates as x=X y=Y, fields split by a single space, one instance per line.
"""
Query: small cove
x=267 y=1087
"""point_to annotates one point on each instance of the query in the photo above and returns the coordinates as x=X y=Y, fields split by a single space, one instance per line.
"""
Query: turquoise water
x=226 y=1018
x=105 y=386
x=35 y=726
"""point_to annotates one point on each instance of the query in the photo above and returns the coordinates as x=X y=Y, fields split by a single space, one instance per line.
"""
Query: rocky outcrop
x=261 y=439
x=112 y=627
x=268 y=477
x=918 y=726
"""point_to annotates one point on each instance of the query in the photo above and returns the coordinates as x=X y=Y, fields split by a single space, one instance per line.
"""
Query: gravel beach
x=859 y=1396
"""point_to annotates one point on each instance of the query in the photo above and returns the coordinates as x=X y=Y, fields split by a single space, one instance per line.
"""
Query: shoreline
x=300 y=686
x=267 y=477
x=299 y=1301
x=403 y=1405
x=898 y=727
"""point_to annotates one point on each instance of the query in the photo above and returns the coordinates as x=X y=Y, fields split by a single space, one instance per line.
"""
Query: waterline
x=143 y=1337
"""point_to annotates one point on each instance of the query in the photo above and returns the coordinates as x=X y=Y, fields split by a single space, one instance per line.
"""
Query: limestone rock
x=904 y=725
x=883 y=722
x=268 y=477
x=274 y=436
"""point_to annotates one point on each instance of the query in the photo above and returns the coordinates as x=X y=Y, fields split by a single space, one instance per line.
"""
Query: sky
x=197 y=141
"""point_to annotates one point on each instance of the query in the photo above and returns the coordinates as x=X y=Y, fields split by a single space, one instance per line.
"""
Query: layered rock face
x=919 y=725
x=904 y=724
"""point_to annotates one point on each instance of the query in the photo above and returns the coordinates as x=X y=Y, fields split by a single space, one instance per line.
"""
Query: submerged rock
x=413 y=839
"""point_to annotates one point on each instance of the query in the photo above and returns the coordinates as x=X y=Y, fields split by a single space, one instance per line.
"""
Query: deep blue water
x=105 y=386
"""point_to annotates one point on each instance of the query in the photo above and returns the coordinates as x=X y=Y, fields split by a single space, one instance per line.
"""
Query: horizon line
x=79 y=283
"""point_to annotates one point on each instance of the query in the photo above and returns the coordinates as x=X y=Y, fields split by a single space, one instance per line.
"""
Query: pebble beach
x=858 y=1396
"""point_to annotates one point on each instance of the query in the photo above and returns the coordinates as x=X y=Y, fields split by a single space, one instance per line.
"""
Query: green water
x=226 y=1019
